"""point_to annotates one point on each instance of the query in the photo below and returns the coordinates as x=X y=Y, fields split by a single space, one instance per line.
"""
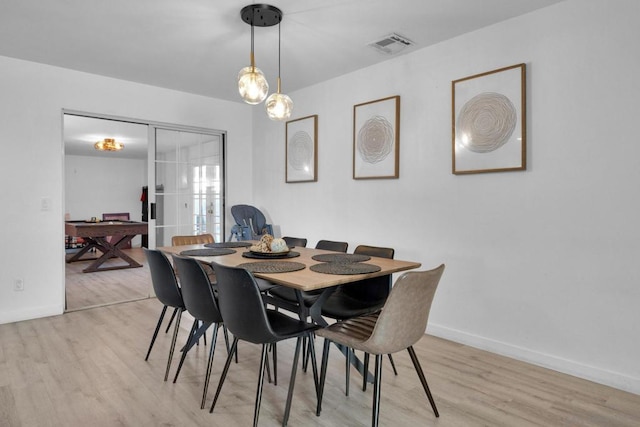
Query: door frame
x=151 y=183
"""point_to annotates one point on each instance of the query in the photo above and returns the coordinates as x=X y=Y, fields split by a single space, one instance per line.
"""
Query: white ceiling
x=80 y=133
x=199 y=46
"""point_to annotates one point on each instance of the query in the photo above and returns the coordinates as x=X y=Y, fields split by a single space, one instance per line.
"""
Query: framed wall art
x=489 y=121
x=301 y=143
x=376 y=139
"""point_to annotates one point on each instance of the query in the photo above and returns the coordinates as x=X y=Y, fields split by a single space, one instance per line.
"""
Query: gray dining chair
x=398 y=326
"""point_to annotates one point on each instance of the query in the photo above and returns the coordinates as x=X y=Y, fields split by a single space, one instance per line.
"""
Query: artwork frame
x=376 y=139
x=489 y=121
x=301 y=150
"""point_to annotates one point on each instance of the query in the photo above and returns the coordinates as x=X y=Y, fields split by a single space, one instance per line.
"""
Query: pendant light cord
x=253 y=62
x=279 y=38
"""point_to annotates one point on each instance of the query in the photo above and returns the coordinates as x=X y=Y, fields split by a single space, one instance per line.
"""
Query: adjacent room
x=451 y=178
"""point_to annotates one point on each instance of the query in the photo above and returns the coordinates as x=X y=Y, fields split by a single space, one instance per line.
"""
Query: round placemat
x=341 y=258
x=207 y=252
x=257 y=255
x=228 y=245
x=344 y=268
x=272 y=266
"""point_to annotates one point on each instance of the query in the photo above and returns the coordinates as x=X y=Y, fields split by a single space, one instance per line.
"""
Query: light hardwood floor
x=85 y=290
x=87 y=368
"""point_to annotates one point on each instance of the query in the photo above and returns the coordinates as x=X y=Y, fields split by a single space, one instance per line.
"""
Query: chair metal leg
x=234 y=346
x=347 y=371
x=292 y=381
x=393 y=365
x=214 y=337
x=310 y=340
x=323 y=374
x=173 y=316
x=423 y=380
x=268 y=369
x=256 y=410
x=275 y=364
x=304 y=353
x=173 y=343
x=185 y=349
x=376 y=391
x=366 y=369
x=311 y=353
x=204 y=336
x=155 y=333
x=226 y=340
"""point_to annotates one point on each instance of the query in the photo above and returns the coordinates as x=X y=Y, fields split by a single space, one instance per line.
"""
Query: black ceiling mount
x=261 y=15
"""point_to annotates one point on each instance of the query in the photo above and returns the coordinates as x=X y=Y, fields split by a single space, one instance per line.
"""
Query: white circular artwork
x=300 y=151
x=375 y=139
x=486 y=122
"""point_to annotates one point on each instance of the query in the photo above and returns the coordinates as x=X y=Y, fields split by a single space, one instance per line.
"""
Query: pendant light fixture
x=279 y=105
x=252 y=84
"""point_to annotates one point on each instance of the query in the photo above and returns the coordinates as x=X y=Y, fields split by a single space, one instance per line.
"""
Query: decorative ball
x=279 y=245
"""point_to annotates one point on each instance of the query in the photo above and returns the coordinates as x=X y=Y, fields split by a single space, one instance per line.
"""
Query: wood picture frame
x=376 y=139
x=489 y=121
x=301 y=150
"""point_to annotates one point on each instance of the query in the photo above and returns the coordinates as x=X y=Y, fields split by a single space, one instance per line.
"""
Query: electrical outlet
x=18 y=285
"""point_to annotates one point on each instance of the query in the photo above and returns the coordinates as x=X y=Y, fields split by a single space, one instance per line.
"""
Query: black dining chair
x=300 y=302
x=200 y=302
x=360 y=298
x=248 y=319
x=286 y=298
x=295 y=241
x=167 y=290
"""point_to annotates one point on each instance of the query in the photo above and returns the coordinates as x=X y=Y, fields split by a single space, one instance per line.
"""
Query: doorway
x=184 y=165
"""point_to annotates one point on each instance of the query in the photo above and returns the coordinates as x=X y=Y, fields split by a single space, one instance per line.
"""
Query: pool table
x=95 y=233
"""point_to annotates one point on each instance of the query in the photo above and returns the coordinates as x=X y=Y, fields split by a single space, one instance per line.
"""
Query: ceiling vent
x=391 y=44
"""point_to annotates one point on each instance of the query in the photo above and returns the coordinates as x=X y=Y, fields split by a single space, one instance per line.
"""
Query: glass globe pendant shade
x=252 y=85
x=279 y=106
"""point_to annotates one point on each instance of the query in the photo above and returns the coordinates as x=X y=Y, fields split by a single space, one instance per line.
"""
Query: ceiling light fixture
x=279 y=105
x=252 y=84
x=108 y=144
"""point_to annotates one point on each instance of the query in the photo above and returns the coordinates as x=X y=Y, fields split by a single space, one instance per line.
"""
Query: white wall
x=97 y=185
x=542 y=265
x=31 y=165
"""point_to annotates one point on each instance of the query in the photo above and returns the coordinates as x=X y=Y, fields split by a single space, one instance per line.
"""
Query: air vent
x=391 y=44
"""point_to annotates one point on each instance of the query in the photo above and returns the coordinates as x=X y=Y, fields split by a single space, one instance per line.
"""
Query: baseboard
x=601 y=376
x=29 y=314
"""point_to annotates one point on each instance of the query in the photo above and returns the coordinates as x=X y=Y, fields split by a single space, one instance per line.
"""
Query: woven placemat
x=228 y=245
x=344 y=268
x=207 y=252
x=272 y=266
x=341 y=258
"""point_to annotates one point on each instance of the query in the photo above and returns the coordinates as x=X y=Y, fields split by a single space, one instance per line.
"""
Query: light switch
x=45 y=204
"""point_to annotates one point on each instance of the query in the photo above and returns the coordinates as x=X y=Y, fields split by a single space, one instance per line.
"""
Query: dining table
x=309 y=273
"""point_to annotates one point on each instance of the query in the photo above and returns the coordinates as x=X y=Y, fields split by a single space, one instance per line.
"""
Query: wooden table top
x=305 y=280
x=104 y=228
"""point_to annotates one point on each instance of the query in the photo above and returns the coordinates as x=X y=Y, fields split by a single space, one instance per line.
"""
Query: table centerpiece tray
x=270 y=255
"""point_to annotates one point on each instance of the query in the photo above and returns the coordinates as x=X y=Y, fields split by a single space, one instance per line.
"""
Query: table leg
x=76 y=257
x=110 y=250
